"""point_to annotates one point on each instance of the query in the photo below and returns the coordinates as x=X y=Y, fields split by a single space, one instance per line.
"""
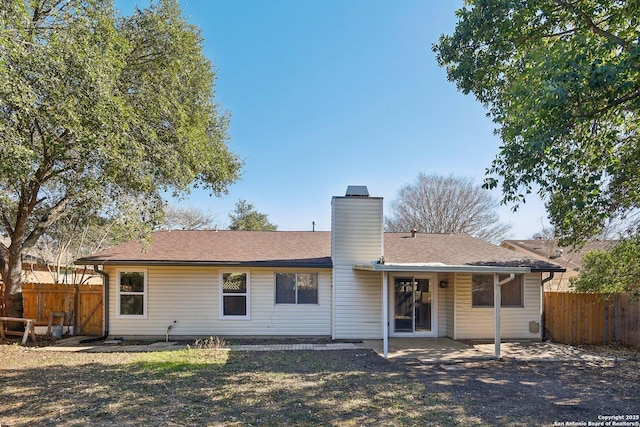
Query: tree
x=177 y=218
x=561 y=79
x=97 y=109
x=246 y=218
x=69 y=238
x=83 y=232
x=616 y=270
x=436 y=204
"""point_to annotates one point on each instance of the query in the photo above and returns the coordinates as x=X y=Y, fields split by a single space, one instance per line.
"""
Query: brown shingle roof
x=455 y=249
x=304 y=249
x=273 y=248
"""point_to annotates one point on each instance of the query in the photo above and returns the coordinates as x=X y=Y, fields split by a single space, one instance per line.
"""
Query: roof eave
x=548 y=270
x=174 y=263
x=437 y=268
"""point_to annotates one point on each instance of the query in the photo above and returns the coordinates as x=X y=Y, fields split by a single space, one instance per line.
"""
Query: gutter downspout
x=543 y=314
x=105 y=300
x=497 y=300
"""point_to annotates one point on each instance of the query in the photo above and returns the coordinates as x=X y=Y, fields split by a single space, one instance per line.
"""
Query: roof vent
x=357 y=191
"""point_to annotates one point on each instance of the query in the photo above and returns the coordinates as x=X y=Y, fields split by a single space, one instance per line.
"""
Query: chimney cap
x=357 y=191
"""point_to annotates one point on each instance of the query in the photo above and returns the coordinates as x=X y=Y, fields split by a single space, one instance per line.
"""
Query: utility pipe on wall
x=168 y=329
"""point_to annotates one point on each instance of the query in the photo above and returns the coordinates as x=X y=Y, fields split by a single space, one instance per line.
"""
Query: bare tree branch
x=435 y=204
x=45 y=222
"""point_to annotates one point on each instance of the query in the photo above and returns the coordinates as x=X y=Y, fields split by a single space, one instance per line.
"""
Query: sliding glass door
x=412 y=304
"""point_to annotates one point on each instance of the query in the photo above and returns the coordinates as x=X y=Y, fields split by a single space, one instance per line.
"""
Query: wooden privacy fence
x=82 y=305
x=572 y=318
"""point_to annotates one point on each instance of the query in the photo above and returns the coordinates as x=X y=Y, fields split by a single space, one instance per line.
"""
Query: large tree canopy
x=617 y=270
x=561 y=78
x=96 y=108
x=438 y=204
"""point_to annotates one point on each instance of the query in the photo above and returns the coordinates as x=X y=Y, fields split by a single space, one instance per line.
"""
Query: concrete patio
x=446 y=350
x=425 y=350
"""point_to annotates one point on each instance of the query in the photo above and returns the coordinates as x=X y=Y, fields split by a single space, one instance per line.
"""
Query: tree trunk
x=4 y=277
x=14 y=286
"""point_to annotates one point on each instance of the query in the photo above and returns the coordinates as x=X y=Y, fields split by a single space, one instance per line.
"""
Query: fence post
x=76 y=309
x=605 y=327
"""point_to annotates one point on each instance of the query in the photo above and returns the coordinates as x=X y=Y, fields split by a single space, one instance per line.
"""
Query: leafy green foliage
x=617 y=270
x=561 y=79
x=97 y=110
x=246 y=218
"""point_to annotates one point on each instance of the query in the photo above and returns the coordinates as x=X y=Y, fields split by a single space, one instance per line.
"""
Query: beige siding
x=479 y=322
x=450 y=315
x=445 y=305
x=191 y=297
x=356 y=238
x=358 y=304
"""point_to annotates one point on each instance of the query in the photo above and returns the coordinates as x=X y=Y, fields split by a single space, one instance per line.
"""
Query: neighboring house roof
x=304 y=249
x=548 y=250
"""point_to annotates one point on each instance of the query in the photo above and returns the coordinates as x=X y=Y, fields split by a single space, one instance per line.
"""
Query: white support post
x=497 y=300
x=385 y=314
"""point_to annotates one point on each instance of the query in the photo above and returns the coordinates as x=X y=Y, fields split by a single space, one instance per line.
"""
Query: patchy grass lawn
x=352 y=388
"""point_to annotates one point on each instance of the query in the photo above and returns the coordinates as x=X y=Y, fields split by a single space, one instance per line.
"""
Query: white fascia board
x=440 y=268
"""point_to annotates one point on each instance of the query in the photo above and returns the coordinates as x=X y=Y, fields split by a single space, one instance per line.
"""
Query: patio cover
x=385 y=268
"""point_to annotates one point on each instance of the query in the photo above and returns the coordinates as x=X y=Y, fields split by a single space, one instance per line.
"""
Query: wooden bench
x=28 y=328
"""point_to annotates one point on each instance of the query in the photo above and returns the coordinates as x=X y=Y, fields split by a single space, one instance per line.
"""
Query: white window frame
x=246 y=294
x=145 y=294
x=502 y=304
x=297 y=273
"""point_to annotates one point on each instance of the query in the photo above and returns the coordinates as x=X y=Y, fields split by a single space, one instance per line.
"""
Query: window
x=235 y=295
x=510 y=293
x=132 y=293
x=296 y=288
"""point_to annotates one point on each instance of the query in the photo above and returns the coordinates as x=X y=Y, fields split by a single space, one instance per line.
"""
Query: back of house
x=354 y=282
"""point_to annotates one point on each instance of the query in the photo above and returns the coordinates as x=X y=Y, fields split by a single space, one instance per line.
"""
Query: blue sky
x=329 y=93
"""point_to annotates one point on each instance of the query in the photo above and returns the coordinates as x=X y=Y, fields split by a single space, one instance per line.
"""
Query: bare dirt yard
x=352 y=388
